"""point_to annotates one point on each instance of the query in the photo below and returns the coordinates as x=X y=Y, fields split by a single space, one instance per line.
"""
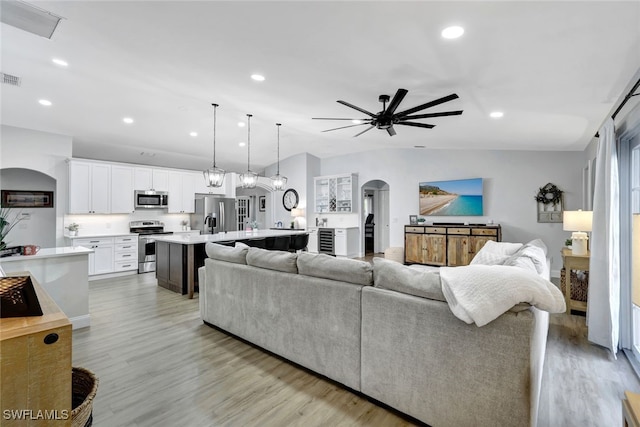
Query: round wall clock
x=290 y=199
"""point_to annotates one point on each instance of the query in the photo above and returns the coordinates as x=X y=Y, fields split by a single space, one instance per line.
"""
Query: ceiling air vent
x=10 y=80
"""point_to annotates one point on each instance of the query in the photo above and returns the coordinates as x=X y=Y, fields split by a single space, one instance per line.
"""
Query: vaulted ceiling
x=556 y=70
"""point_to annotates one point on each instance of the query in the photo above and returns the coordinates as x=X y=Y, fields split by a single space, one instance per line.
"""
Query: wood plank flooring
x=159 y=365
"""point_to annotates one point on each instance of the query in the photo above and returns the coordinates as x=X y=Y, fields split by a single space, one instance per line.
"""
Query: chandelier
x=248 y=179
x=214 y=176
x=278 y=181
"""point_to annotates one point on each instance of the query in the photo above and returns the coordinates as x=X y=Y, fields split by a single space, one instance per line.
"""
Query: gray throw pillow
x=341 y=269
x=226 y=253
x=397 y=277
x=272 y=260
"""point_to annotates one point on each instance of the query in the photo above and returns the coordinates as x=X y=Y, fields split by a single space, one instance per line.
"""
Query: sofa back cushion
x=341 y=269
x=237 y=255
x=397 y=277
x=272 y=260
x=495 y=253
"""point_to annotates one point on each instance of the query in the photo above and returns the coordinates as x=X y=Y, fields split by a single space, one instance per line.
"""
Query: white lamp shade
x=295 y=212
x=577 y=220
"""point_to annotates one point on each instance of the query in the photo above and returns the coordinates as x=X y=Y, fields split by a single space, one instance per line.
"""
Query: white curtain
x=603 y=306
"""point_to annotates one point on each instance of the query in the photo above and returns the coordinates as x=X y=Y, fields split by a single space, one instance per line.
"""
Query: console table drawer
x=484 y=232
x=460 y=231
x=414 y=229
x=435 y=230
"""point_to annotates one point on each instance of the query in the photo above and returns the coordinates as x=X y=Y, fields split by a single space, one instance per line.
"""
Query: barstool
x=280 y=243
x=299 y=242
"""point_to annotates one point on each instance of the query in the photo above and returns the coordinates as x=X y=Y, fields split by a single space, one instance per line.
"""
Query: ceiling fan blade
x=344 y=127
x=425 y=116
x=367 y=129
x=395 y=102
x=336 y=118
x=418 y=125
x=427 y=105
x=391 y=131
x=357 y=108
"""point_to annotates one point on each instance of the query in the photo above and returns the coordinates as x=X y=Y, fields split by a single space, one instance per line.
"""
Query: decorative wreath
x=549 y=194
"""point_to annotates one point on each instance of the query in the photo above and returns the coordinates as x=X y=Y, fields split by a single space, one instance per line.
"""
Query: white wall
x=39 y=225
x=43 y=152
x=511 y=180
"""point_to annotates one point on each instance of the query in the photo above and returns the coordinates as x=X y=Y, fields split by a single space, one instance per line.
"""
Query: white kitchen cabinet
x=101 y=261
x=125 y=253
x=346 y=242
x=336 y=193
x=122 y=189
x=89 y=187
x=181 y=192
x=312 y=245
x=151 y=179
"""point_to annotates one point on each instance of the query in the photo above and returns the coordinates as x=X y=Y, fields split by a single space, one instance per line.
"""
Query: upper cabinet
x=181 y=192
x=89 y=187
x=151 y=179
x=122 y=185
x=336 y=193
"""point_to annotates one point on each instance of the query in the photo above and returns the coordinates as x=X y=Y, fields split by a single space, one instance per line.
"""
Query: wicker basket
x=84 y=388
x=579 y=285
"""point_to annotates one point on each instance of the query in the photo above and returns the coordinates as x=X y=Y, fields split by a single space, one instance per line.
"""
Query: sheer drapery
x=603 y=307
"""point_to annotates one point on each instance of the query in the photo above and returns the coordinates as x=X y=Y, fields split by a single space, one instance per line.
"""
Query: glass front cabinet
x=336 y=193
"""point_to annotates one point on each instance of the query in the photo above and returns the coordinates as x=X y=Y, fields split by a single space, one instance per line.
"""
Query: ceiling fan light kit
x=388 y=118
x=278 y=181
x=214 y=176
x=248 y=179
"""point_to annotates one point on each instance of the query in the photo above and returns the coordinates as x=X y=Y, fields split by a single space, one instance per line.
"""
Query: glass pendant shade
x=248 y=179
x=278 y=181
x=214 y=176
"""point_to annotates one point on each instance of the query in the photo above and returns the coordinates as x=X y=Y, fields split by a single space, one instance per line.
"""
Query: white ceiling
x=556 y=69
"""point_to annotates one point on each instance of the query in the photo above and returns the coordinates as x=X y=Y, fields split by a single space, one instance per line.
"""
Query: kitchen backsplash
x=116 y=224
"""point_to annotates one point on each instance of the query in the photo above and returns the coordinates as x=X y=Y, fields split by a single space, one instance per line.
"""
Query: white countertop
x=187 y=239
x=50 y=253
x=92 y=236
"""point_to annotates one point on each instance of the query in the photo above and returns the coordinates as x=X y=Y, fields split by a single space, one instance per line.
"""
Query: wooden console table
x=631 y=410
x=573 y=262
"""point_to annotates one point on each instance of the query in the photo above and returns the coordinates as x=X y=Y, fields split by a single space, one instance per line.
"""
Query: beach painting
x=462 y=197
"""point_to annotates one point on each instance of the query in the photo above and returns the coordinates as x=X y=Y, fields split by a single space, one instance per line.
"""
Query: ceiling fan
x=388 y=117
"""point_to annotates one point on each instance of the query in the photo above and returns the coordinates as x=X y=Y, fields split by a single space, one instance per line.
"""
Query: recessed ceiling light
x=418 y=146
x=240 y=124
x=60 y=62
x=45 y=102
x=193 y=133
x=128 y=120
x=242 y=144
x=496 y=114
x=257 y=77
x=452 y=32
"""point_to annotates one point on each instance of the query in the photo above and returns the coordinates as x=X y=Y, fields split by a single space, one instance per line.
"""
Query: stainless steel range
x=146 y=231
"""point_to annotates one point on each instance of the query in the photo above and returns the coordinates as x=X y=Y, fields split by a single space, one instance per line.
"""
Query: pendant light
x=214 y=176
x=278 y=181
x=248 y=179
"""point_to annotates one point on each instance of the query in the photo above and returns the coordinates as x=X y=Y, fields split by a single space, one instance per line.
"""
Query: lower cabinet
x=171 y=266
x=447 y=245
x=110 y=254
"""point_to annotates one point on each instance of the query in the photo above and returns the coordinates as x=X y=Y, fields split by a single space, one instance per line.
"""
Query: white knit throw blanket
x=481 y=293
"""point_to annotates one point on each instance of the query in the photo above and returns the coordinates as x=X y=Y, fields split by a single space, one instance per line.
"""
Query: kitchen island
x=178 y=257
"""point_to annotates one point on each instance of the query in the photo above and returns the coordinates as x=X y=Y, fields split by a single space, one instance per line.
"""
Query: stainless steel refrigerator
x=214 y=214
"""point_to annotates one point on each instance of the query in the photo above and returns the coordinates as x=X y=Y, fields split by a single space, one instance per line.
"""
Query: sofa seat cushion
x=400 y=278
x=341 y=269
x=237 y=255
x=272 y=260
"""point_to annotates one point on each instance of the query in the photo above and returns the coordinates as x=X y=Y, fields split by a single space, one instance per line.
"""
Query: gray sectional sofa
x=383 y=330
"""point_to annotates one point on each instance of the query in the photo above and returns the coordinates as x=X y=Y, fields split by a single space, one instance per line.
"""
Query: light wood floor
x=159 y=365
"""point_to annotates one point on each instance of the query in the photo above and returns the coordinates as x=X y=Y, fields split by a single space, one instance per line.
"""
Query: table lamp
x=296 y=213
x=579 y=222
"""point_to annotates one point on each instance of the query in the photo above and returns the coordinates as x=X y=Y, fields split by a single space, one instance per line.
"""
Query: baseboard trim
x=112 y=275
x=80 y=321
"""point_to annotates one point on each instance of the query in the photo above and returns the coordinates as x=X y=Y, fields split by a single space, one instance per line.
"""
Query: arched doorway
x=255 y=204
x=375 y=216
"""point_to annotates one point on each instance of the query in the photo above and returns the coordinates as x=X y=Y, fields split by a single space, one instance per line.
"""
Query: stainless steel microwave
x=150 y=199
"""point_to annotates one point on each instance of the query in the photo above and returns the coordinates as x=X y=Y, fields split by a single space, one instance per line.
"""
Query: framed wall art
x=26 y=199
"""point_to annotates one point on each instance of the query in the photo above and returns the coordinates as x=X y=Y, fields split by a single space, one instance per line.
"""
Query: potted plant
x=567 y=243
x=185 y=225
x=8 y=219
x=73 y=228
